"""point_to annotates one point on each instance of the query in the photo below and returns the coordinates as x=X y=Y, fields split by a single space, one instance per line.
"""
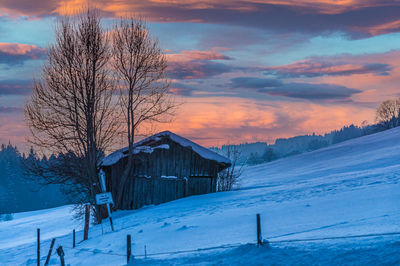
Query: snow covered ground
x=351 y=188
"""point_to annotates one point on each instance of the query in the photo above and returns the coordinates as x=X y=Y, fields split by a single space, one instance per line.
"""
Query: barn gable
x=148 y=145
x=165 y=167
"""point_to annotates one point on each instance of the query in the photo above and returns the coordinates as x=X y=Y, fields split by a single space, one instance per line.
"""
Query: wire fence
x=95 y=251
x=260 y=241
x=230 y=246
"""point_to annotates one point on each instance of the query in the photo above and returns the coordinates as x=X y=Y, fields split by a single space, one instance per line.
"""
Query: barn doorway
x=198 y=185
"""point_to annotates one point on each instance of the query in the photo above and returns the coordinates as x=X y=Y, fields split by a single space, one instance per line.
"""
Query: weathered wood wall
x=194 y=175
x=141 y=191
x=199 y=185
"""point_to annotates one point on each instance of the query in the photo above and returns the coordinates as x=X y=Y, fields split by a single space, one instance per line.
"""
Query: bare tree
x=71 y=108
x=140 y=67
x=388 y=113
x=230 y=176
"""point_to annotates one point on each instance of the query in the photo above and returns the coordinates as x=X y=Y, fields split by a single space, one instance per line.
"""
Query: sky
x=245 y=71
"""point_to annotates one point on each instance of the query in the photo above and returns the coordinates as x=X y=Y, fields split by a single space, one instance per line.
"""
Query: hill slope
x=345 y=189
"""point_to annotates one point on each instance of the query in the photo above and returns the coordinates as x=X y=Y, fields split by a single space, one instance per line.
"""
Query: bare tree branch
x=71 y=109
x=140 y=68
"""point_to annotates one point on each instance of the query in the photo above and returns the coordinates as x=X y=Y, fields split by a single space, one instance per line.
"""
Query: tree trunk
x=121 y=185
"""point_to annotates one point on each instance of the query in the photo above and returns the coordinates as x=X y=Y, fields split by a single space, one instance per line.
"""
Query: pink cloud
x=375 y=88
x=29 y=50
x=16 y=53
x=196 y=64
x=328 y=66
x=185 y=56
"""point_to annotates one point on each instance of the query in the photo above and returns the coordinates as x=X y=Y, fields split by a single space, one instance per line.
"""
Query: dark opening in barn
x=165 y=167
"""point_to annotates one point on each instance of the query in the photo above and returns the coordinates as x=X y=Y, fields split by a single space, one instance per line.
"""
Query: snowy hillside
x=351 y=188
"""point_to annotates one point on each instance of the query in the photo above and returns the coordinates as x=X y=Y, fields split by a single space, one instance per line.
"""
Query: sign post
x=105 y=197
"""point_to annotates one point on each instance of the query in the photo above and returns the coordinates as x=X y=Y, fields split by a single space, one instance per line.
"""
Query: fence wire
x=97 y=251
x=335 y=237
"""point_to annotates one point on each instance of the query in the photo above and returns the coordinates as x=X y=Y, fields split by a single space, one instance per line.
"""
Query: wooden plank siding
x=147 y=184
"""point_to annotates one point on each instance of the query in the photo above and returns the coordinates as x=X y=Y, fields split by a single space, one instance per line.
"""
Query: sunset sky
x=246 y=70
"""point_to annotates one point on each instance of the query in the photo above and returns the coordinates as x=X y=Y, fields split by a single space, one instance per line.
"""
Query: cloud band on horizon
x=307 y=91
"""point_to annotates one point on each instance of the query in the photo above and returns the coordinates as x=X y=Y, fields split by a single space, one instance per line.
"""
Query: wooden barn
x=165 y=167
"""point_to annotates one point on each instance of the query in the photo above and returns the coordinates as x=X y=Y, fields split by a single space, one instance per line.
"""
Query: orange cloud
x=309 y=16
x=392 y=26
x=70 y=7
x=217 y=121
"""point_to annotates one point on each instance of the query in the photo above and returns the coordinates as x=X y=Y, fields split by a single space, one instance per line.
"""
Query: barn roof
x=142 y=147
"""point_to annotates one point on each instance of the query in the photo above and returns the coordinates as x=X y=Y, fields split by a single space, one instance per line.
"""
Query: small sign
x=104 y=198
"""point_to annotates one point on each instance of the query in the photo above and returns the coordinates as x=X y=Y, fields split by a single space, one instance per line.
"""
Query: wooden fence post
x=86 y=228
x=50 y=250
x=73 y=238
x=128 y=248
x=38 y=247
x=259 y=236
x=60 y=253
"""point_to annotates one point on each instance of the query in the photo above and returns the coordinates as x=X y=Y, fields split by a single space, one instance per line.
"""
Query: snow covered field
x=347 y=189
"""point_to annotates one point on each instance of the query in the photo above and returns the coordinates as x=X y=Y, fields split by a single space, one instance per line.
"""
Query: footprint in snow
x=185 y=228
x=165 y=225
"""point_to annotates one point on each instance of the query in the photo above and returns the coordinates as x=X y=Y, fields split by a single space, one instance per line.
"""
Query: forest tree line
x=20 y=192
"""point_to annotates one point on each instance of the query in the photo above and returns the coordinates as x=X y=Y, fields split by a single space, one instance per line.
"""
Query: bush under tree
x=229 y=177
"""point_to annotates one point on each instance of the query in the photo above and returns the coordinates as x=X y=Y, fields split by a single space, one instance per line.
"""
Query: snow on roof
x=121 y=153
x=200 y=150
x=141 y=147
